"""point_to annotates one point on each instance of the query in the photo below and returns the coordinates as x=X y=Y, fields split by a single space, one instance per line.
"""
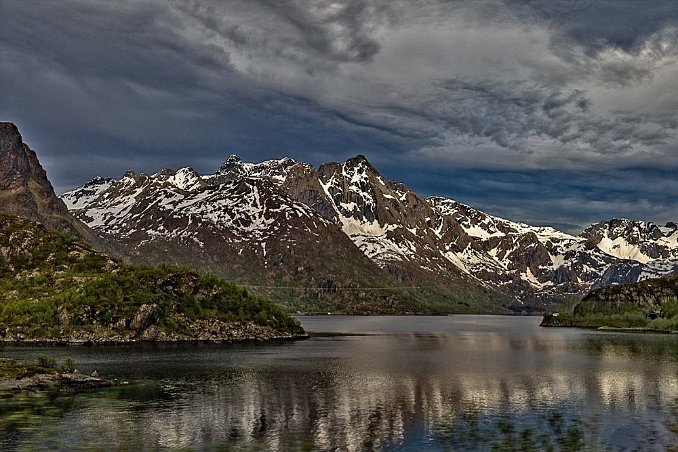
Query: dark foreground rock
x=57 y=381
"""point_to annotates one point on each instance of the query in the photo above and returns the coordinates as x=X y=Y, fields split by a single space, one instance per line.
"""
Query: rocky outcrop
x=146 y=316
x=650 y=297
x=647 y=306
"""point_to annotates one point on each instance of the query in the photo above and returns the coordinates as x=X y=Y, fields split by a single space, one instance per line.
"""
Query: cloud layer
x=525 y=96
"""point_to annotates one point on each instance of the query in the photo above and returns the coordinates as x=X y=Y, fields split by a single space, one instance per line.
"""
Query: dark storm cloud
x=497 y=86
x=316 y=35
x=568 y=200
x=508 y=113
x=599 y=24
x=584 y=30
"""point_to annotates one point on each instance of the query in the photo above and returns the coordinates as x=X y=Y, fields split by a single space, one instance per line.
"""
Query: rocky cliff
x=652 y=297
x=25 y=189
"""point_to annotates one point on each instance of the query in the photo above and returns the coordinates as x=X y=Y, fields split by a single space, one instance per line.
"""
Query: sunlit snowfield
x=393 y=383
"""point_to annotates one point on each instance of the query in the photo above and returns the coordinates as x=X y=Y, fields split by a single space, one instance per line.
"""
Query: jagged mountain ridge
x=542 y=262
x=635 y=240
x=242 y=223
x=427 y=242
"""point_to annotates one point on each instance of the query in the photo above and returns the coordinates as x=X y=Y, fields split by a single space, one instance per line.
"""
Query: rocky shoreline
x=634 y=329
x=556 y=321
x=134 y=340
x=145 y=326
x=224 y=333
x=71 y=380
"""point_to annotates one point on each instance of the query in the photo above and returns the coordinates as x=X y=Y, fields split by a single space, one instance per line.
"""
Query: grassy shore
x=628 y=321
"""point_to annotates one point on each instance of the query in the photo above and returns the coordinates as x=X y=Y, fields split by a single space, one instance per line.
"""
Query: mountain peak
x=359 y=160
x=8 y=127
x=232 y=166
x=359 y=165
x=98 y=180
x=26 y=191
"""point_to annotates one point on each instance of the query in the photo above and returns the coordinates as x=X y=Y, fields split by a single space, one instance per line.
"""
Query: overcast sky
x=545 y=111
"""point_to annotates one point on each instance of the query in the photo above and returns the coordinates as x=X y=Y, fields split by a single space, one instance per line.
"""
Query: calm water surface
x=362 y=383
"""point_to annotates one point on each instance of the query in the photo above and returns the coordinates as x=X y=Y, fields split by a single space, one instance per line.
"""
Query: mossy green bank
x=54 y=287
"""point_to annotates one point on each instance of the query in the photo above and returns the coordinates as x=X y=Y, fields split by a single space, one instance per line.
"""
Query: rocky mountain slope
x=293 y=222
x=26 y=191
x=540 y=263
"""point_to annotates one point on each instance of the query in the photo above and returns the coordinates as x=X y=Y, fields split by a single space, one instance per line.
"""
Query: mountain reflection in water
x=395 y=383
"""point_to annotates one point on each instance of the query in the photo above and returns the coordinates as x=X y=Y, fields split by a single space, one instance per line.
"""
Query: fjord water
x=390 y=383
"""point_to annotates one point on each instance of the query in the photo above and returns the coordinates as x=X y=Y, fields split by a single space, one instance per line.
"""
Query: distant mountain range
x=349 y=239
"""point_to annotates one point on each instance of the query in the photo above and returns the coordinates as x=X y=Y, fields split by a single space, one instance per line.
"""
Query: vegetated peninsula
x=55 y=288
x=650 y=305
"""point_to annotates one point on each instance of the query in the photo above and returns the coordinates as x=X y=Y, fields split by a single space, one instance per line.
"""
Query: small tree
x=46 y=361
x=68 y=365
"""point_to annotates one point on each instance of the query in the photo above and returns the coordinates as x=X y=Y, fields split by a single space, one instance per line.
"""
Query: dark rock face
x=26 y=191
x=24 y=188
x=650 y=296
x=302 y=184
x=147 y=315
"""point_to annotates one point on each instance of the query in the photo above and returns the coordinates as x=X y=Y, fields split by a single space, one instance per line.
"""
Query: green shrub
x=68 y=365
x=46 y=361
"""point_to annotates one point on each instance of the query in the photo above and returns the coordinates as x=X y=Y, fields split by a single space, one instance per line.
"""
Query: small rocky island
x=56 y=289
x=650 y=305
x=46 y=374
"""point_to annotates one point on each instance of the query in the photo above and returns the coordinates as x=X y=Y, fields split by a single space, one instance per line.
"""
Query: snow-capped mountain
x=543 y=263
x=286 y=215
x=635 y=240
x=233 y=224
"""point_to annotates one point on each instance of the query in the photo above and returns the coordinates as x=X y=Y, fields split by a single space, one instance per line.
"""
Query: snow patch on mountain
x=622 y=249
